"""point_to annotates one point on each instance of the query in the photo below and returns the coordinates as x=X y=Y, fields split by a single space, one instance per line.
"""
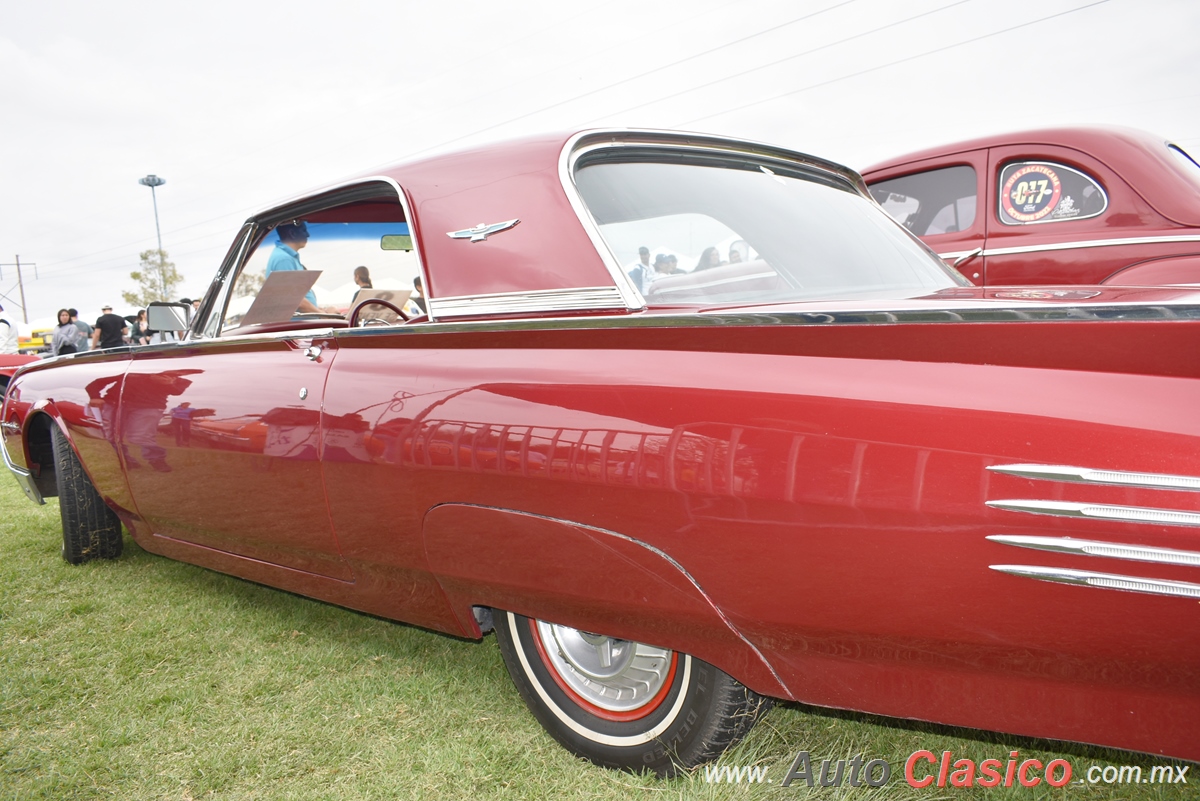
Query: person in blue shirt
x=293 y=237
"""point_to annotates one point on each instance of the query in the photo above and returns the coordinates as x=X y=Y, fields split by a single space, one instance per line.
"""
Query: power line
x=777 y=62
x=889 y=64
x=624 y=81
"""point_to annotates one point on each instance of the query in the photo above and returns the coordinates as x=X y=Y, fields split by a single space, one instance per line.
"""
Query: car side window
x=1045 y=192
x=318 y=266
x=939 y=201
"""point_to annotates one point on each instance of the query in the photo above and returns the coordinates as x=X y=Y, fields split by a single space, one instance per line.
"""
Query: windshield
x=692 y=231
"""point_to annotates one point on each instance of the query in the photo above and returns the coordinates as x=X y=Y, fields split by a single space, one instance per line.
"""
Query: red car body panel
x=798 y=493
x=1149 y=234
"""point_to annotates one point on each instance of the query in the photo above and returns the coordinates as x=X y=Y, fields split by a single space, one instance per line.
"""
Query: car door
x=1049 y=212
x=941 y=201
x=220 y=440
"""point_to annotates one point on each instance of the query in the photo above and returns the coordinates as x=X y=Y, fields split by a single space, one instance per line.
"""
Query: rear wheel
x=624 y=704
x=90 y=529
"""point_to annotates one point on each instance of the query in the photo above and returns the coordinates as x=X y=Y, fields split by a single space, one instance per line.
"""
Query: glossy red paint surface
x=1153 y=198
x=797 y=493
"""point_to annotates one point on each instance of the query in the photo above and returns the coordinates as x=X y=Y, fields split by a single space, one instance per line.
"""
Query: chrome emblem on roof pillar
x=481 y=232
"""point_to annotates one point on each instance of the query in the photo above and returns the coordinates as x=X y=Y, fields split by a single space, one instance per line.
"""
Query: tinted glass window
x=736 y=231
x=1044 y=192
x=934 y=202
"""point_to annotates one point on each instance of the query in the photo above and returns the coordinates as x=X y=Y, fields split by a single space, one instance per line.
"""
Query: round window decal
x=1031 y=193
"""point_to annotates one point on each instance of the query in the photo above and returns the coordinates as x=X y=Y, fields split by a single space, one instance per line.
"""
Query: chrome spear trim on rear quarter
x=1111 y=550
x=1108 y=581
x=1101 y=511
x=1087 y=475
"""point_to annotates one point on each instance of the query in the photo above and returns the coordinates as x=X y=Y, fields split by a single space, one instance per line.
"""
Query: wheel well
x=41 y=454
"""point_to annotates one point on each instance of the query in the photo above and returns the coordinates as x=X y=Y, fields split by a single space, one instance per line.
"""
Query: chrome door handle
x=313 y=352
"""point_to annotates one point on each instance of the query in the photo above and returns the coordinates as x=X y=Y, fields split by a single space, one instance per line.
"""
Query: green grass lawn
x=143 y=678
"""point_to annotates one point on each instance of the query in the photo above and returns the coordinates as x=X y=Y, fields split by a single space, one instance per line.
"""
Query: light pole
x=153 y=181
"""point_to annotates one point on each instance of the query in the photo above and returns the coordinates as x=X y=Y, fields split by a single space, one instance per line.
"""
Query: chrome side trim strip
x=1108 y=581
x=547 y=300
x=1086 y=243
x=1112 y=550
x=814 y=317
x=1100 y=511
x=1085 y=475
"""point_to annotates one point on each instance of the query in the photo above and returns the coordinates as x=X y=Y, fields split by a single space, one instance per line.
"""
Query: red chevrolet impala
x=812 y=464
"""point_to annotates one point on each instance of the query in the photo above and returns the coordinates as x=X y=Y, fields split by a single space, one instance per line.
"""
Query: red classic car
x=830 y=471
x=9 y=364
x=1062 y=206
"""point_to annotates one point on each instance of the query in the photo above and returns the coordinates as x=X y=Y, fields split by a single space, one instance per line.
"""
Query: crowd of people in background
x=73 y=335
x=643 y=273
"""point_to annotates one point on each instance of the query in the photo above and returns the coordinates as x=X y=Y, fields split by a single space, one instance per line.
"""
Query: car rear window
x=1045 y=192
x=738 y=230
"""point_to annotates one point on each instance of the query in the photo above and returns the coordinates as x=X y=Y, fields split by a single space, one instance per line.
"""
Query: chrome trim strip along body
x=1084 y=243
x=1100 y=511
x=1108 y=581
x=1086 y=475
x=549 y=300
x=23 y=476
x=981 y=313
x=1112 y=550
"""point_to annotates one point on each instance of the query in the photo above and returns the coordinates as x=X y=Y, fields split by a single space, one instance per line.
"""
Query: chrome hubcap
x=616 y=675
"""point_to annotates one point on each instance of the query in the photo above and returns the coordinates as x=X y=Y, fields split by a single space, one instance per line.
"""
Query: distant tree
x=249 y=284
x=157 y=279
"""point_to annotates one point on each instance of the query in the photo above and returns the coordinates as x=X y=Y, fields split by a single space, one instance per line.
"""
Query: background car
x=830 y=471
x=1060 y=206
x=9 y=364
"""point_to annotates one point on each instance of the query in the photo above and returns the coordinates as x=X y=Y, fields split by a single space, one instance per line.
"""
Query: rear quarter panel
x=824 y=488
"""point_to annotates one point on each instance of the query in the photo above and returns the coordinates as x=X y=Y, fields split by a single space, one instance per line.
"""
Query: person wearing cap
x=10 y=341
x=293 y=236
x=110 y=330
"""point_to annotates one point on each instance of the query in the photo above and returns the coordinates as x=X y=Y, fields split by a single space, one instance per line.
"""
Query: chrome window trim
x=1101 y=511
x=1110 y=550
x=1085 y=475
x=1042 y=163
x=1108 y=581
x=240 y=339
x=1082 y=243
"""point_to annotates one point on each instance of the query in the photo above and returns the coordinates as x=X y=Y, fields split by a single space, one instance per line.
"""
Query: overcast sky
x=242 y=104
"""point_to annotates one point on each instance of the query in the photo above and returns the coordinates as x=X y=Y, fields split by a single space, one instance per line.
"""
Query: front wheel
x=90 y=529
x=624 y=704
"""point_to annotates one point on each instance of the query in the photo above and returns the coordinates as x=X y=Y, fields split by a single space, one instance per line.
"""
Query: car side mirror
x=164 y=316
